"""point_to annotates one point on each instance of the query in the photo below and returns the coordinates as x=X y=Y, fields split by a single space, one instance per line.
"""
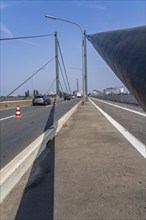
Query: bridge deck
x=89 y=171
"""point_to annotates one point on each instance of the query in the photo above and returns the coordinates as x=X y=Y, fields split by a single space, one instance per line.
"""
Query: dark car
x=67 y=97
x=41 y=100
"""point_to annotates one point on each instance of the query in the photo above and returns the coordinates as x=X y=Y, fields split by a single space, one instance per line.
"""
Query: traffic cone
x=55 y=103
x=18 y=114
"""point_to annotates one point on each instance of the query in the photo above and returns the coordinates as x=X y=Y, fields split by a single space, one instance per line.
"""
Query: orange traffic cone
x=18 y=114
x=55 y=103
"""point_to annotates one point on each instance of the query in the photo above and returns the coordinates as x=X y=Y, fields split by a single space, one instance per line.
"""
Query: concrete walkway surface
x=98 y=174
x=88 y=172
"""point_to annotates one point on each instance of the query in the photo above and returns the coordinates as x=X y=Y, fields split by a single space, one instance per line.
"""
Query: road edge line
x=138 y=145
x=121 y=107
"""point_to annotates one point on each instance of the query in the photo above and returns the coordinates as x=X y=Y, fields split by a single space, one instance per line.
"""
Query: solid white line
x=117 y=106
x=138 y=145
x=49 y=106
x=16 y=101
x=12 y=116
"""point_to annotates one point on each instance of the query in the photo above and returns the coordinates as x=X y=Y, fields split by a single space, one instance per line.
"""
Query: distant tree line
x=36 y=92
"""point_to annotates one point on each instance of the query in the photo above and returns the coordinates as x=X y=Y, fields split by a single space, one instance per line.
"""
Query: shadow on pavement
x=38 y=198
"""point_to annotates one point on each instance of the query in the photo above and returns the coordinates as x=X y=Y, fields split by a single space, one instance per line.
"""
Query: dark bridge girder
x=125 y=53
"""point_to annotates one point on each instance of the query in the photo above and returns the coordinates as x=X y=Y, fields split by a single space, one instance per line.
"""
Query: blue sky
x=20 y=58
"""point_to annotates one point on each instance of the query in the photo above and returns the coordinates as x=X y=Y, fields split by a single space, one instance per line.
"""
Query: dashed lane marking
x=2 y=119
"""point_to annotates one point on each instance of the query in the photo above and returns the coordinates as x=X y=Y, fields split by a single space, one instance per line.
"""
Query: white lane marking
x=2 y=119
x=12 y=116
x=49 y=106
x=117 y=106
x=15 y=101
x=138 y=145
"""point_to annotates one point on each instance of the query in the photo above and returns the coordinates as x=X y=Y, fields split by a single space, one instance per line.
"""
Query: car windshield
x=39 y=96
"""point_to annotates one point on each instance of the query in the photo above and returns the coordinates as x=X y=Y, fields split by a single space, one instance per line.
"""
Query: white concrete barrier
x=123 y=98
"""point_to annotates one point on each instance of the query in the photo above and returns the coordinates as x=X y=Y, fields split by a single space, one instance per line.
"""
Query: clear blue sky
x=20 y=58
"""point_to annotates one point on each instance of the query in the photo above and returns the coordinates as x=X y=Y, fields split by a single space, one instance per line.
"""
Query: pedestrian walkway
x=88 y=172
x=98 y=174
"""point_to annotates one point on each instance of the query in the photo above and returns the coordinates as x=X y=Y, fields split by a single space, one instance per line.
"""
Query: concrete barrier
x=13 y=171
x=123 y=98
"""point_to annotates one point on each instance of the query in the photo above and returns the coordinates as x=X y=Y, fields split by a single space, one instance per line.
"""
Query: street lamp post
x=57 y=70
x=84 y=63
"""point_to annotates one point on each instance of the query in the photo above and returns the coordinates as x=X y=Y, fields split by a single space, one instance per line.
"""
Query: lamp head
x=51 y=17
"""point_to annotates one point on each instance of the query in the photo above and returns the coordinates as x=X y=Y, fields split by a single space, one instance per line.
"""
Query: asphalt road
x=134 y=122
x=17 y=133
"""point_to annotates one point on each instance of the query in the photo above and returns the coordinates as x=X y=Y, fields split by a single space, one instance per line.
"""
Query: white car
x=41 y=100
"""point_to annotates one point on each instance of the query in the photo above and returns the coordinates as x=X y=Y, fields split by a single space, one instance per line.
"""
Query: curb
x=14 y=170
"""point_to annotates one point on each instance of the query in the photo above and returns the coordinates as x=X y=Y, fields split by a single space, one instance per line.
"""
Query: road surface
x=18 y=133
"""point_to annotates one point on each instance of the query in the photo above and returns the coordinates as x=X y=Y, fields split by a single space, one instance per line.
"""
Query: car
x=79 y=95
x=41 y=100
x=67 y=97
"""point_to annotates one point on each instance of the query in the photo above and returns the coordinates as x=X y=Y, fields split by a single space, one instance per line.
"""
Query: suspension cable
x=63 y=77
x=64 y=66
x=51 y=86
x=61 y=86
x=18 y=38
x=28 y=78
